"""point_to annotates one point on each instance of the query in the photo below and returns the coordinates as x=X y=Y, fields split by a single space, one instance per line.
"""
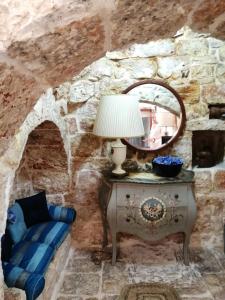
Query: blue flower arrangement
x=168 y=160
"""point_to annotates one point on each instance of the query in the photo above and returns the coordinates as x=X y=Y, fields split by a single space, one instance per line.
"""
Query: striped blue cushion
x=51 y=233
x=60 y=213
x=32 y=256
x=33 y=284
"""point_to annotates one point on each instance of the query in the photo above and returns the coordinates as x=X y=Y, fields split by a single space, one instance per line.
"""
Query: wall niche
x=43 y=165
x=207 y=148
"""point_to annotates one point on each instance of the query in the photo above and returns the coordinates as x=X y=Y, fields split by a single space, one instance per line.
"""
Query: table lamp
x=118 y=116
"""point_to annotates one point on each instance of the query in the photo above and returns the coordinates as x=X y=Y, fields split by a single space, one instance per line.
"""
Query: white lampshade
x=119 y=116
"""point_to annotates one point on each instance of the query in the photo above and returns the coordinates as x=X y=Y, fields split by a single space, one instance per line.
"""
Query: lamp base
x=119 y=176
x=118 y=157
x=118 y=171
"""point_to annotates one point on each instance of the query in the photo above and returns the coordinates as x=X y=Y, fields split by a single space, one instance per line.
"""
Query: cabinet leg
x=114 y=250
x=186 y=248
x=105 y=237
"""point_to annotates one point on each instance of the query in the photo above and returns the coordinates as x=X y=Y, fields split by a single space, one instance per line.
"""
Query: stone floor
x=90 y=276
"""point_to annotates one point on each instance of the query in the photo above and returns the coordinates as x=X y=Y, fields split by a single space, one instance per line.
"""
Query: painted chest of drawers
x=148 y=206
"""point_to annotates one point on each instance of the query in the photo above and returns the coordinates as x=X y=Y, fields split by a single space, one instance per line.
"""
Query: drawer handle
x=176 y=220
x=127 y=196
x=176 y=196
x=128 y=220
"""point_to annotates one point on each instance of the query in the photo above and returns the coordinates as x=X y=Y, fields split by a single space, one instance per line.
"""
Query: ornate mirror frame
x=183 y=114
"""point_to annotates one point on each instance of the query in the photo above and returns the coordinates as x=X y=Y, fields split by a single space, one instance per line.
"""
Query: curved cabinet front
x=151 y=211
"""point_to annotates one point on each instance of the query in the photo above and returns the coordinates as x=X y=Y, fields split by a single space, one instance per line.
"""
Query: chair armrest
x=32 y=283
x=60 y=213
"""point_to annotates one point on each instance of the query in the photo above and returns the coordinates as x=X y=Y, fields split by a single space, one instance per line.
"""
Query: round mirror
x=163 y=115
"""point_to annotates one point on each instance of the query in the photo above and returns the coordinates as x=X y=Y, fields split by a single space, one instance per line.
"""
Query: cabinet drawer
x=172 y=216
x=132 y=221
x=134 y=194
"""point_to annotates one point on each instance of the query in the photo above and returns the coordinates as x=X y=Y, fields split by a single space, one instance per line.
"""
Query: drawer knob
x=176 y=196
x=176 y=220
x=128 y=220
x=127 y=196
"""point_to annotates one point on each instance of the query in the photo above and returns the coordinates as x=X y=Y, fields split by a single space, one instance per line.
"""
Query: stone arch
x=46 y=109
x=49 y=43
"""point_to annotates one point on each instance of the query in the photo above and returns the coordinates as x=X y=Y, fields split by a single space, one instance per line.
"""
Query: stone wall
x=193 y=64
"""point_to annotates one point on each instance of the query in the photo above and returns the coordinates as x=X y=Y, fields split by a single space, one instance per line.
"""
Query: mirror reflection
x=161 y=114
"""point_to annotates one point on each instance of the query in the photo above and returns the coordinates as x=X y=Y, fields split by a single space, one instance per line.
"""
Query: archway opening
x=43 y=165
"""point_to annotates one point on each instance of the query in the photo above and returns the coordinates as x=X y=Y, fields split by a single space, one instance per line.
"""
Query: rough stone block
x=87 y=235
x=190 y=93
x=87 y=185
x=205 y=124
x=173 y=66
x=213 y=93
x=56 y=199
x=86 y=124
x=14 y=294
x=208 y=11
x=115 y=277
x=138 y=68
x=17 y=90
x=55 y=268
x=192 y=47
x=85 y=145
x=203 y=181
x=197 y=110
x=75 y=283
x=51 y=181
x=147 y=23
x=203 y=73
x=71 y=123
x=214 y=43
x=88 y=109
x=158 y=48
x=101 y=68
x=82 y=265
x=220 y=72
x=4 y=143
x=219 y=180
x=183 y=148
x=81 y=91
x=69 y=198
x=222 y=53
x=52 y=55
x=208 y=228
x=46 y=158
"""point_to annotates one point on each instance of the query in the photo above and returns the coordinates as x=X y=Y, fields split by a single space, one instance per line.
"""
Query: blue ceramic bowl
x=167 y=166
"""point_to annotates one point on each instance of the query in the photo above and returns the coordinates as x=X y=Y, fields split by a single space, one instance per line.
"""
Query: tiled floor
x=83 y=279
